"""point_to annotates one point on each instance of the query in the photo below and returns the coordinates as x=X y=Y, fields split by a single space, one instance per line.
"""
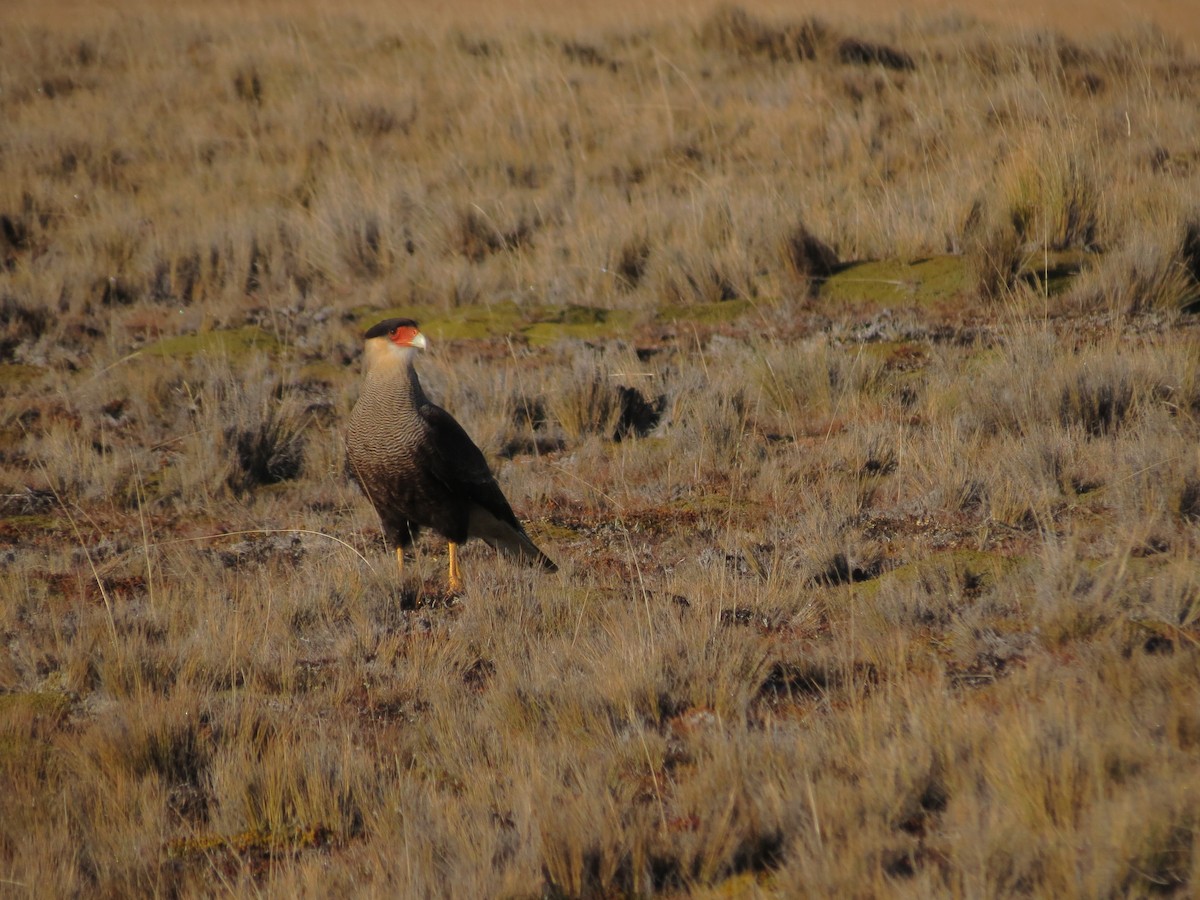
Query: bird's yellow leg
x=455 y=577
x=400 y=560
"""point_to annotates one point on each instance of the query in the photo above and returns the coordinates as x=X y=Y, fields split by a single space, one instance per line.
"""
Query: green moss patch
x=705 y=313
x=234 y=343
x=471 y=322
x=539 y=325
x=896 y=282
x=548 y=530
x=939 y=280
x=577 y=323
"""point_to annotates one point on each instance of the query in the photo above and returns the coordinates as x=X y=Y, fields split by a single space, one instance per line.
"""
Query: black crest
x=387 y=326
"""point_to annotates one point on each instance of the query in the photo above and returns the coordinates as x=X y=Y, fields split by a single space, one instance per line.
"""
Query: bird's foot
x=454 y=578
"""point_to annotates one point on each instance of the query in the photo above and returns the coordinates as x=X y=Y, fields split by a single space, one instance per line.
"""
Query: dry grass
x=861 y=593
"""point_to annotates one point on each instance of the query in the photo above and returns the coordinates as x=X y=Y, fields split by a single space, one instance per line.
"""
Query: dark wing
x=456 y=462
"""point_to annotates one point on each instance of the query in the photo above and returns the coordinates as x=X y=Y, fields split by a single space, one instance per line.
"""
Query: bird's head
x=398 y=332
x=393 y=341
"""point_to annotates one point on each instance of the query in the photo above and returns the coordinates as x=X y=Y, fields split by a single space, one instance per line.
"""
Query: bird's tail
x=517 y=545
x=510 y=540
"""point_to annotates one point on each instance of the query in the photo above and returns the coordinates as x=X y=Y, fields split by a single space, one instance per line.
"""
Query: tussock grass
x=587 y=402
x=863 y=592
x=1150 y=272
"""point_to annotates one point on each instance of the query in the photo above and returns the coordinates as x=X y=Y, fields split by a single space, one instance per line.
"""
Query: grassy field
x=847 y=367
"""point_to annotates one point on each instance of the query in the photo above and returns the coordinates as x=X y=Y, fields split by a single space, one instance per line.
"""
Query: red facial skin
x=403 y=336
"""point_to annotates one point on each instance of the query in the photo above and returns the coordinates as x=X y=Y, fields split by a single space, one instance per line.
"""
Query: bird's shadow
x=425 y=595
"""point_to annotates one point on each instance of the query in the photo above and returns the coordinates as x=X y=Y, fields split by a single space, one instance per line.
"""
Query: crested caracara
x=416 y=463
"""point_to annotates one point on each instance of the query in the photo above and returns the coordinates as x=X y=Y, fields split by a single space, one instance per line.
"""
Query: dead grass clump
x=631 y=263
x=23 y=323
x=807 y=259
x=1189 y=499
x=364 y=247
x=994 y=250
x=709 y=255
x=710 y=428
x=1036 y=384
x=1190 y=248
x=476 y=235
x=14 y=239
x=856 y=51
x=1025 y=487
x=590 y=402
x=1147 y=273
x=702 y=283
x=586 y=404
x=809 y=386
x=587 y=54
x=733 y=30
x=177 y=281
x=267 y=452
x=1053 y=56
x=246 y=430
x=1098 y=401
x=843 y=569
x=161 y=741
x=275 y=789
x=248 y=84
x=581 y=846
x=639 y=414
x=1053 y=197
x=695 y=834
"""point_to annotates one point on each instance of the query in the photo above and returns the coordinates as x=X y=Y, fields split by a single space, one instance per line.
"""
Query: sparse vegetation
x=847 y=368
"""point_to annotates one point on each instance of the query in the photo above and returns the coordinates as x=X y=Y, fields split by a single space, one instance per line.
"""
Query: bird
x=418 y=466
